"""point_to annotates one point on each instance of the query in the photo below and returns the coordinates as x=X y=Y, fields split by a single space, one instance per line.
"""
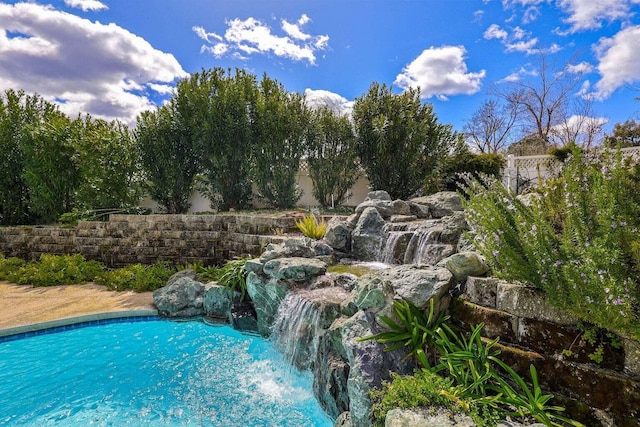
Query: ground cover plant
x=311 y=227
x=577 y=239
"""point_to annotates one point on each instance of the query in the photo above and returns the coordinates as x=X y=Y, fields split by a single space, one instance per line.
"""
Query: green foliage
x=169 y=157
x=475 y=380
x=448 y=177
x=234 y=276
x=528 y=402
x=136 y=277
x=466 y=360
x=311 y=227
x=577 y=241
x=8 y=266
x=415 y=330
x=53 y=270
x=108 y=161
x=331 y=156
x=625 y=134
x=399 y=140
x=279 y=122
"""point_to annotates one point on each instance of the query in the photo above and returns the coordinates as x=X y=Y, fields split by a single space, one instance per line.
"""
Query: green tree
x=169 y=157
x=279 y=122
x=29 y=126
x=399 y=140
x=331 y=156
x=109 y=165
x=52 y=170
x=625 y=134
x=227 y=137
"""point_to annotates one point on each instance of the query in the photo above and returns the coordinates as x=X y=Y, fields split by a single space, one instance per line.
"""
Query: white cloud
x=99 y=69
x=580 y=68
x=518 y=40
x=86 y=5
x=440 y=72
x=251 y=36
x=590 y=14
x=321 y=98
x=619 y=61
x=495 y=32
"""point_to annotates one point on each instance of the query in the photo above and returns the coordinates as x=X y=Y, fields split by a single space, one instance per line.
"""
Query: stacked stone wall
x=532 y=331
x=128 y=239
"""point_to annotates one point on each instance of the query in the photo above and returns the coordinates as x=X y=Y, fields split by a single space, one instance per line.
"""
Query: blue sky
x=116 y=58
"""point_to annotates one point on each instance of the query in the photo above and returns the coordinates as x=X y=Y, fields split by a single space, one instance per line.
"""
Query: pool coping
x=97 y=318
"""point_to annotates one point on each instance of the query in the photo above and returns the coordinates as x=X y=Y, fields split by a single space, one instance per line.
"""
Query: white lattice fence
x=523 y=171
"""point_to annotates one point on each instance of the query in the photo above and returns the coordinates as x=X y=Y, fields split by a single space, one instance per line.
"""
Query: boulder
x=344 y=420
x=465 y=264
x=297 y=269
x=338 y=235
x=418 y=284
x=369 y=365
x=254 y=265
x=384 y=207
x=321 y=249
x=187 y=272
x=331 y=371
x=400 y=207
x=292 y=247
x=218 y=300
x=368 y=236
x=427 y=417
x=378 y=195
x=441 y=204
x=420 y=211
x=453 y=226
x=183 y=298
x=266 y=294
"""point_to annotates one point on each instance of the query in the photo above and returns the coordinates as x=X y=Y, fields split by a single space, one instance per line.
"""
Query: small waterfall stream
x=296 y=331
x=415 y=243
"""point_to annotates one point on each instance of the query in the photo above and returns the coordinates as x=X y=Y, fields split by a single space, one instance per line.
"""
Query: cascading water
x=296 y=331
x=415 y=243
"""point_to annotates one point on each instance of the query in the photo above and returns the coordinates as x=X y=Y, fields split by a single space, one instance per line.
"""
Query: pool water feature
x=158 y=373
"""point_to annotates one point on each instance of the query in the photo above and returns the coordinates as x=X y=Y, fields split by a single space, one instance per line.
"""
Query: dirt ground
x=24 y=305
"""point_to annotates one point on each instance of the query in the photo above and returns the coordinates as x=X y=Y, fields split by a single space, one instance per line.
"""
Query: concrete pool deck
x=23 y=305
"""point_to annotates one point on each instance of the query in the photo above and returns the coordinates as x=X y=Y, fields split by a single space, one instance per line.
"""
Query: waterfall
x=389 y=250
x=296 y=331
x=416 y=243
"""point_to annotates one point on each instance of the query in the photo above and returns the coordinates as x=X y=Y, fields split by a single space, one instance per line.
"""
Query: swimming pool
x=152 y=373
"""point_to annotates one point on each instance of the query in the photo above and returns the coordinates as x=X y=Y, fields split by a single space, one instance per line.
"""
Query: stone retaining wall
x=128 y=239
x=532 y=331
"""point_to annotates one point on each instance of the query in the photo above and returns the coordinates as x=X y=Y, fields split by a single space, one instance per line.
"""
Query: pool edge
x=67 y=321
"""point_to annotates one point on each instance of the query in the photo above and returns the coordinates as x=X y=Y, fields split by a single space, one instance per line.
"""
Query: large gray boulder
x=183 y=298
x=441 y=204
x=369 y=365
x=297 y=269
x=218 y=300
x=438 y=417
x=427 y=417
x=338 y=235
x=418 y=284
x=292 y=247
x=266 y=293
x=453 y=226
x=368 y=236
x=465 y=264
x=378 y=195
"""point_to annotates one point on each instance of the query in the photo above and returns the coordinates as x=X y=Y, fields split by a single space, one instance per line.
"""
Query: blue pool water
x=156 y=373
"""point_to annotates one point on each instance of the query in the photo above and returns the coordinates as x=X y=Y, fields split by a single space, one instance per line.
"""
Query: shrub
x=578 y=241
x=52 y=270
x=8 y=266
x=234 y=276
x=449 y=177
x=136 y=277
x=310 y=227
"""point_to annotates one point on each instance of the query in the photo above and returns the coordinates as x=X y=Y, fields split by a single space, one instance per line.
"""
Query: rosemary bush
x=578 y=240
